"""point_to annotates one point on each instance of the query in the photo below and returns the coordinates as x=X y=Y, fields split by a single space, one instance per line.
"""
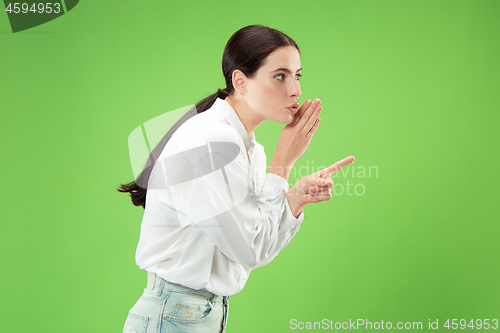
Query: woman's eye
x=283 y=75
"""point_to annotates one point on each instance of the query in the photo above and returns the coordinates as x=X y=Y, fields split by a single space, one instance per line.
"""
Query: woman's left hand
x=314 y=188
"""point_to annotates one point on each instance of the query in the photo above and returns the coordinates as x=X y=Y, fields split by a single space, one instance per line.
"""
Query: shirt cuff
x=288 y=221
x=274 y=179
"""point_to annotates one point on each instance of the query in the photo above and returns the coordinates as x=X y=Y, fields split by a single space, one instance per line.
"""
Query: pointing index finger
x=339 y=165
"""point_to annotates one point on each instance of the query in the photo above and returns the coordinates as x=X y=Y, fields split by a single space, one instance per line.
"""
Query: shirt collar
x=232 y=118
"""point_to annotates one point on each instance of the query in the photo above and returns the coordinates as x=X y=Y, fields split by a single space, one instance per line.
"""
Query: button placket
x=250 y=168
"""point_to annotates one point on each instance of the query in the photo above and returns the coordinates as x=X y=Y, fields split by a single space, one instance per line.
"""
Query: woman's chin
x=286 y=119
x=290 y=118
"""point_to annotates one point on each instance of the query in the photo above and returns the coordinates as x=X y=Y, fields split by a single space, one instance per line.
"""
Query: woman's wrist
x=280 y=169
x=296 y=205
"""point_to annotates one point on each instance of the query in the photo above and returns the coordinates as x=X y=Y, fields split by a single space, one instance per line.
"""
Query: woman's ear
x=239 y=81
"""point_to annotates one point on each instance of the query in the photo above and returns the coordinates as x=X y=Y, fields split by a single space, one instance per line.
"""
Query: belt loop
x=160 y=286
x=151 y=281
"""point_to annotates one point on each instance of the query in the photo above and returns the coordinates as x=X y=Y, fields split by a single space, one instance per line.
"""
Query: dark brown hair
x=246 y=50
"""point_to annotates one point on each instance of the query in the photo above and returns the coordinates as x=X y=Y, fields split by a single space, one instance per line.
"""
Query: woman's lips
x=292 y=109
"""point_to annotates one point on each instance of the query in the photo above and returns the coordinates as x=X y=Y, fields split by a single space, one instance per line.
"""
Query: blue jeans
x=170 y=307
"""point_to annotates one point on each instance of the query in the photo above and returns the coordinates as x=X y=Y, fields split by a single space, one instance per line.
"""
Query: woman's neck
x=247 y=117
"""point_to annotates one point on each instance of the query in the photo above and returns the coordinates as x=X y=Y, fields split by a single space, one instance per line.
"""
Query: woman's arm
x=284 y=237
x=293 y=141
x=295 y=138
x=210 y=186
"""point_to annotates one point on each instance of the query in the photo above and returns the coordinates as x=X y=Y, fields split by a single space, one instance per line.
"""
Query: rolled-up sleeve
x=289 y=226
x=211 y=187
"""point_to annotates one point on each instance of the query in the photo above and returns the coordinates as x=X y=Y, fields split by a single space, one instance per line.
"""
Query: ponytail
x=207 y=102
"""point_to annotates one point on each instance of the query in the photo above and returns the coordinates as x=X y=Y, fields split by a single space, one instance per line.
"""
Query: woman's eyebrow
x=285 y=70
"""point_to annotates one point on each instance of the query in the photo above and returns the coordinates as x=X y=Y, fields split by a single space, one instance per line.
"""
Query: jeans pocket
x=187 y=308
x=135 y=323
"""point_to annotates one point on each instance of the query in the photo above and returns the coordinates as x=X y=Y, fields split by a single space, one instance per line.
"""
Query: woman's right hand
x=296 y=137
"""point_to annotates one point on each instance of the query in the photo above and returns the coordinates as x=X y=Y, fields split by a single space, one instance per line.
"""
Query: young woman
x=212 y=212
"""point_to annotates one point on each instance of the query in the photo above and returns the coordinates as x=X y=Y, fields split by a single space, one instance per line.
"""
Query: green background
x=408 y=87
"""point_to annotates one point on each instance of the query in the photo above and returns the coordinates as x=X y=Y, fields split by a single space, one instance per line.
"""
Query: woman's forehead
x=284 y=58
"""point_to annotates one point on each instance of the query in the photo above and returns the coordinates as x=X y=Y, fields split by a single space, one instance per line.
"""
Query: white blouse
x=212 y=213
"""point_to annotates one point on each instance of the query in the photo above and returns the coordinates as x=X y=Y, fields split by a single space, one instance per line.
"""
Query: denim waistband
x=154 y=282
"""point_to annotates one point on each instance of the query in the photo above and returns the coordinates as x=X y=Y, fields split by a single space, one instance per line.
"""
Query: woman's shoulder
x=210 y=125
x=201 y=129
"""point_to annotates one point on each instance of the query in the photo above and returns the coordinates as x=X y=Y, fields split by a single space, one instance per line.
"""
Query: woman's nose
x=295 y=89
